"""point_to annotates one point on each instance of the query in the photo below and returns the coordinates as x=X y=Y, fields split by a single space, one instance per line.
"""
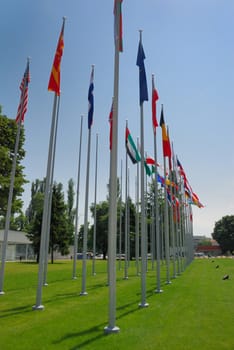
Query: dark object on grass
x=217 y=266
x=225 y=277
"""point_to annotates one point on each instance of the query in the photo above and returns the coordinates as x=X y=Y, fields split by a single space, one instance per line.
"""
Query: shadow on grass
x=96 y=332
x=15 y=311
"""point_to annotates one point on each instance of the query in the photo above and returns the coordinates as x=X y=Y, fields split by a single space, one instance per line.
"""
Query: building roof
x=18 y=237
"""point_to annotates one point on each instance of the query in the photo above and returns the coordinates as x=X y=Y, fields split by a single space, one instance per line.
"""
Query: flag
x=91 y=100
x=111 y=125
x=22 y=109
x=165 y=138
x=118 y=25
x=54 y=82
x=142 y=74
x=155 y=97
x=131 y=148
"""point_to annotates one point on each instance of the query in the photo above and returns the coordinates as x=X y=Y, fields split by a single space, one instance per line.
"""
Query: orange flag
x=54 y=82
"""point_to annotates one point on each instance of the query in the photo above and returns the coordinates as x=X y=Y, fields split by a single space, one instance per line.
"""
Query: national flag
x=131 y=148
x=147 y=169
x=155 y=97
x=54 y=82
x=165 y=138
x=22 y=109
x=111 y=125
x=118 y=24
x=142 y=74
x=91 y=100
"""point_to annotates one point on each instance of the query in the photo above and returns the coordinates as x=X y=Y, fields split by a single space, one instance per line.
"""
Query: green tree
x=8 y=131
x=224 y=233
x=60 y=236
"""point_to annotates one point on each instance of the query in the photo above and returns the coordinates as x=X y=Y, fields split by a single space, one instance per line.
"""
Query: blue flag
x=142 y=74
x=91 y=100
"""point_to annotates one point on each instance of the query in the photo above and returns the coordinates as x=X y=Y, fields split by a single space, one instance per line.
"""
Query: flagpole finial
x=140 y=32
x=64 y=18
x=28 y=59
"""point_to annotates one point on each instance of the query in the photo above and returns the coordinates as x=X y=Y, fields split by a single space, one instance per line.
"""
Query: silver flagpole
x=143 y=221
x=47 y=242
x=156 y=211
x=39 y=305
x=166 y=228
x=95 y=210
x=112 y=223
x=137 y=216
x=10 y=195
x=77 y=205
x=126 y=217
x=84 y=253
x=120 y=217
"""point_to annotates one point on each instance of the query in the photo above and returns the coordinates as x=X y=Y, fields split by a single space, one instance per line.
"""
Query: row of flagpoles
x=138 y=157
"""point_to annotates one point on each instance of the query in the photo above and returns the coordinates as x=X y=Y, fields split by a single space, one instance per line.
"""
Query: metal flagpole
x=39 y=305
x=120 y=217
x=47 y=242
x=95 y=210
x=77 y=204
x=12 y=181
x=143 y=221
x=112 y=223
x=126 y=216
x=137 y=216
x=166 y=226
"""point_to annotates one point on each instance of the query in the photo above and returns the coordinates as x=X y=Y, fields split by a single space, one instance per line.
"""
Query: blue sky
x=188 y=46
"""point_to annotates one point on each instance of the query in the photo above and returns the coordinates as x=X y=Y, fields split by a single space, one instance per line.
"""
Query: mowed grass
x=196 y=311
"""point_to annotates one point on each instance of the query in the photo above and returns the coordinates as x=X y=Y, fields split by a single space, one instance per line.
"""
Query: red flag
x=155 y=97
x=22 y=109
x=111 y=125
x=54 y=82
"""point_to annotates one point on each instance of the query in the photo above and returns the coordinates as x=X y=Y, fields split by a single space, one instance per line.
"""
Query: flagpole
x=120 y=216
x=143 y=228
x=77 y=204
x=84 y=258
x=137 y=218
x=126 y=217
x=112 y=223
x=47 y=242
x=95 y=210
x=10 y=195
x=38 y=305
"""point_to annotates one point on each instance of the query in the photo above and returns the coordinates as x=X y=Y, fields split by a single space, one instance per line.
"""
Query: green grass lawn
x=196 y=311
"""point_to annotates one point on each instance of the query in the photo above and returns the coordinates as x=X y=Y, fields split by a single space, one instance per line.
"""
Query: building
x=18 y=247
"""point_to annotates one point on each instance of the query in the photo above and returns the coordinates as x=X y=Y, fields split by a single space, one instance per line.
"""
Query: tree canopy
x=224 y=233
x=8 y=131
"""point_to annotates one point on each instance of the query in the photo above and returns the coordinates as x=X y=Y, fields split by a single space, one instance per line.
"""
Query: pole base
x=109 y=330
x=38 y=307
x=143 y=305
x=74 y=278
x=158 y=291
x=125 y=278
x=2 y=293
x=83 y=293
x=168 y=282
x=45 y=284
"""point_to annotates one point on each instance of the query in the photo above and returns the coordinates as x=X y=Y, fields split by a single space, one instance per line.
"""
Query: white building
x=18 y=247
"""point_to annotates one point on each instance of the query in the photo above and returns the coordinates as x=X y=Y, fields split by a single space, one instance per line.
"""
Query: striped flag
x=91 y=100
x=22 y=109
x=131 y=147
x=118 y=24
x=54 y=82
x=165 y=138
x=155 y=97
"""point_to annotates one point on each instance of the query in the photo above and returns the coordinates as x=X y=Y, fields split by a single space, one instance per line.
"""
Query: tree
x=60 y=236
x=8 y=131
x=70 y=209
x=224 y=233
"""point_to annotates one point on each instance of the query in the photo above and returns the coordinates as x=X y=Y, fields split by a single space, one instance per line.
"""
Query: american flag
x=22 y=109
